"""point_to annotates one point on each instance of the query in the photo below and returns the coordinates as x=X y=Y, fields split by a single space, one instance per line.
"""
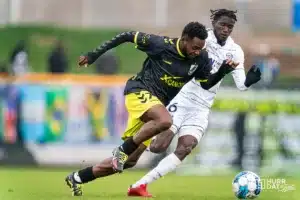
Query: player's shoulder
x=203 y=58
x=204 y=54
x=169 y=41
x=235 y=47
x=152 y=36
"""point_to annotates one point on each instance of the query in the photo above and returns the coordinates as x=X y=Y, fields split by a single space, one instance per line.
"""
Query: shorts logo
x=192 y=69
x=144 y=96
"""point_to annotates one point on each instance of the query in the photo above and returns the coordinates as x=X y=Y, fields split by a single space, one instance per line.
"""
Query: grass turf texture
x=48 y=184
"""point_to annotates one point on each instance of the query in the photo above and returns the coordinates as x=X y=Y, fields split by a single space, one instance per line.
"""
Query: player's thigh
x=190 y=134
x=195 y=124
x=178 y=111
x=162 y=141
x=157 y=113
x=137 y=104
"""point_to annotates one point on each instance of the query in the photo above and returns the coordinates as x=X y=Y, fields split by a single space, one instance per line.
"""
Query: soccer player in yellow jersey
x=170 y=63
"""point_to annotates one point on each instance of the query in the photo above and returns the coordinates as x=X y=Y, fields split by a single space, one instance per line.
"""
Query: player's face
x=193 y=46
x=223 y=27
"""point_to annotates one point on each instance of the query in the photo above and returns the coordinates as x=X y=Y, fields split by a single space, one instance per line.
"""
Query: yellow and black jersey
x=166 y=69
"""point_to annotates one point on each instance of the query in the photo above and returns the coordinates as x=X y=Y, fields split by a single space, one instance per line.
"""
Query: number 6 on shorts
x=172 y=108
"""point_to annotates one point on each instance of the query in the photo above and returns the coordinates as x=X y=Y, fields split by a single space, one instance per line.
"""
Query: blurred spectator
x=57 y=60
x=269 y=66
x=19 y=59
x=3 y=68
x=108 y=63
x=240 y=132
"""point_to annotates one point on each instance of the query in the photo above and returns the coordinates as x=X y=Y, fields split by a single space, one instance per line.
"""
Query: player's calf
x=104 y=168
x=162 y=142
x=157 y=119
x=185 y=146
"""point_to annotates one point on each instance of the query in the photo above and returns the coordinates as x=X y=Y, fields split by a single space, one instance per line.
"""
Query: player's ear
x=213 y=23
x=184 y=38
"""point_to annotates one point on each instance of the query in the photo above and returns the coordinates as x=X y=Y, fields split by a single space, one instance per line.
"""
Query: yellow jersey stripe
x=168 y=62
x=135 y=37
x=202 y=81
x=178 y=49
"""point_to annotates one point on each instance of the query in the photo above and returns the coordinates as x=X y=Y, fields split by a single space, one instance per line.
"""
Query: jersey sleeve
x=205 y=68
x=149 y=43
x=238 y=74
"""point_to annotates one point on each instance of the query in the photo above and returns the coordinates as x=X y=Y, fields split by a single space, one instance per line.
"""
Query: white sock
x=168 y=164
x=77 y=178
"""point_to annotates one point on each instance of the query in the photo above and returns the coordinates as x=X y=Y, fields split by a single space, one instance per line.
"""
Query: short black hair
x=216 y=14
x=195 y=29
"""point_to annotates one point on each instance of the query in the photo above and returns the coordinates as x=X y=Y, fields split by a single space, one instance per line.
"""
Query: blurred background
x=48 y=105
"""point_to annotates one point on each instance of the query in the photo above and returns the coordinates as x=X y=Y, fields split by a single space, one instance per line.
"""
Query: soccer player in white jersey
x=190 y=108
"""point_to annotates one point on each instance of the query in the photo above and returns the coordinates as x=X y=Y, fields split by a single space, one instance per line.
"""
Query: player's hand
x=83 y=61
x=232 y=64
x=253 y=76
x=228 y=66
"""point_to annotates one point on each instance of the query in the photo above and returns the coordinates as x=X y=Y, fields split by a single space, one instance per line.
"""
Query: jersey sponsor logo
x=192 y=69
x=172 y=82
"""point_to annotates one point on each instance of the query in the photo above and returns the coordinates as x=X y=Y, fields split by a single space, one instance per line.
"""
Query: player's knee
x=164 y=123
x=158 y=147
x=182 y=151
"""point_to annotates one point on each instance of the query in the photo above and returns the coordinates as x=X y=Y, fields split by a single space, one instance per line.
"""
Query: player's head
x=193 y=39
x=223 y=21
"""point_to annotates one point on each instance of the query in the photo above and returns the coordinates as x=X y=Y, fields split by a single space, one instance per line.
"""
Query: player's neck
x=220 y=42
x=180 y=46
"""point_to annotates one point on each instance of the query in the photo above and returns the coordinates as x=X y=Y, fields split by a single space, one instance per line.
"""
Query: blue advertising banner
x=296 y=15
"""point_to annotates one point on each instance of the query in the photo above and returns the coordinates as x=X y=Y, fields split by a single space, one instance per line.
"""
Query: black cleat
x=75 y=186
x=119 y=159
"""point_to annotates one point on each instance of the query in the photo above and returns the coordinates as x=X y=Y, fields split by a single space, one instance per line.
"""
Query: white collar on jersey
x=212 y=35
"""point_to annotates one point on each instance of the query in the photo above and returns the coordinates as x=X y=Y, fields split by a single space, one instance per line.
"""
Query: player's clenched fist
x=227 y=66
x=83 y=61
x=232 y=64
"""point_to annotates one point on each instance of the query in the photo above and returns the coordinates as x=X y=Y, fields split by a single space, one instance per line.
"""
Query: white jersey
x=190 y=108
x=217 y=54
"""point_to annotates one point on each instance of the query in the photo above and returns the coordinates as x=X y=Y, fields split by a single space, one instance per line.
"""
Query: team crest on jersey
x=192 y=69
x=229 y=56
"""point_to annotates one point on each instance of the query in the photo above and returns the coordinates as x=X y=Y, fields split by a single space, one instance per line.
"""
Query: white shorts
x=188 y=118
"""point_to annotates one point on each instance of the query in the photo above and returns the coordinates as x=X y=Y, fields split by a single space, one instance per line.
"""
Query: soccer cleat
x=75 y=187
x=140 y=191
x=119 y=159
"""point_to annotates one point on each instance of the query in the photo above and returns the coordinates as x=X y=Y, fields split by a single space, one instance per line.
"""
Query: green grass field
x=47 y=184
